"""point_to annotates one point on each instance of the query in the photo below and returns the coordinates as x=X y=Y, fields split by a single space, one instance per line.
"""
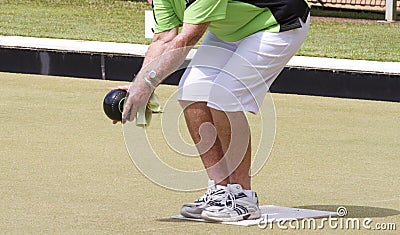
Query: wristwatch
x=152 y=74
x=148 y=81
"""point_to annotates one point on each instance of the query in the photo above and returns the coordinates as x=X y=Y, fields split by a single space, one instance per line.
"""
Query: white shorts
x=235 y=76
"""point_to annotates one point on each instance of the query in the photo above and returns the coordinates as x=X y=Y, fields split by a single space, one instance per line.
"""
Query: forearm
x=165 y=57
x=159 y=44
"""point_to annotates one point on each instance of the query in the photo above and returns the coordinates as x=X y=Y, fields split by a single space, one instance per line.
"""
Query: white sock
x=249 y=193
x=220 y=186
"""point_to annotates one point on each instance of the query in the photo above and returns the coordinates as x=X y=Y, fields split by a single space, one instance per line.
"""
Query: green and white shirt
x=231 y=20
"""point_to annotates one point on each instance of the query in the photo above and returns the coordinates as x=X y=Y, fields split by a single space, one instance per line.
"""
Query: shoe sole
x=248 y=216
x=190 y=215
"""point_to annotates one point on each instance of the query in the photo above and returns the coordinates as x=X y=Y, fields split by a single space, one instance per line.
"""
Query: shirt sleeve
x=164 y=16
x=201 y=11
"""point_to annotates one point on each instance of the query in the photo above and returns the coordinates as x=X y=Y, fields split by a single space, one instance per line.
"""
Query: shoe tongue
x=235 y=188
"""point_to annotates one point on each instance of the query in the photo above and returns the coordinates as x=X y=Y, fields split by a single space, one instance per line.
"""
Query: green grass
x=118 y=21
x=64 y=168
x=347 y=13
x=352 y=41
x=123 y=21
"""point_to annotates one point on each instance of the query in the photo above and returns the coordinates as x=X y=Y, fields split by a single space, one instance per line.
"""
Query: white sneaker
x=211 y=197
x=235 y=206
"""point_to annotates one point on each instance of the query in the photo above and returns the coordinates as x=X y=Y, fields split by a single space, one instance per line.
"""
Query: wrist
x=150 y=80
x=149 y=83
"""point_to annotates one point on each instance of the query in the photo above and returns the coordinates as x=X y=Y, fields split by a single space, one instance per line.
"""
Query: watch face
x=152 y=74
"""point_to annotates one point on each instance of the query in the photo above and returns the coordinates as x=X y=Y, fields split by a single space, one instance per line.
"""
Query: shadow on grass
x=356 y=211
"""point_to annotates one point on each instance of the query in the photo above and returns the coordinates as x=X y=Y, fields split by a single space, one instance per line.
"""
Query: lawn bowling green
x=65 y=168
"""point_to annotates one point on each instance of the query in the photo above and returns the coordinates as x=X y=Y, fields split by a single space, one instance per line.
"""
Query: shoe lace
x=206 y=196
x=213 y=195
x=227 y=200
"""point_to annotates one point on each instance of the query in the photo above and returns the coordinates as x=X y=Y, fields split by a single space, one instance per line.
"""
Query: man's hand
x=138 y=95
x=174 y=48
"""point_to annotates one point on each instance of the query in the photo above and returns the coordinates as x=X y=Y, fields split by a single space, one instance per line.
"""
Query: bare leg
x=234 y=133
x=200 y=124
